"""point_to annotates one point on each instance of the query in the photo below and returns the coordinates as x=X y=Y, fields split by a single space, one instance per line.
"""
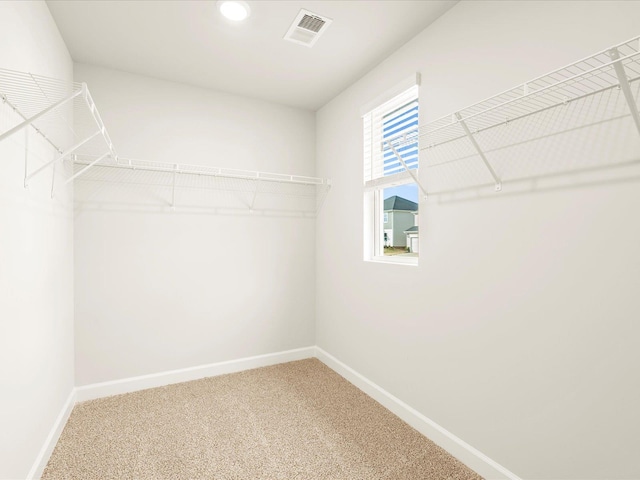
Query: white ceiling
x=189 y=42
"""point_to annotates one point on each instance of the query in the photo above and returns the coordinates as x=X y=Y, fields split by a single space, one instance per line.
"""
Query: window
x=390 y=166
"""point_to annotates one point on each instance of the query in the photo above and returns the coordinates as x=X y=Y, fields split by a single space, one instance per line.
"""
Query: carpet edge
x=455 y=446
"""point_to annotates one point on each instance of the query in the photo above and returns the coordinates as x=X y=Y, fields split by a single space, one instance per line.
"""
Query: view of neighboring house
x=412 y=235
x=400 y=216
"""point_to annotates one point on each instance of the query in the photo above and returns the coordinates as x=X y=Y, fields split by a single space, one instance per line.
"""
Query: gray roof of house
x=399 y=203
x=412 y=229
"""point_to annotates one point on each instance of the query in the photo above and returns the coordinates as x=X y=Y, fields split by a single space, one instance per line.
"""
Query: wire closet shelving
x=65 y=116
x=199 y=187
x=579 y=117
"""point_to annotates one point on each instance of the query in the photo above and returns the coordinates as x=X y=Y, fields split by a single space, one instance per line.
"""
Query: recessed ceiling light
x=234 y=10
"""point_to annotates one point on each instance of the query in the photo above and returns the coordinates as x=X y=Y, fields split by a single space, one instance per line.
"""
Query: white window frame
x=374 y=229
x=375 y=181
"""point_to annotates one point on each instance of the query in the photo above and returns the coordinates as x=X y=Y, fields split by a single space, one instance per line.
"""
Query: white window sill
x=395 y=260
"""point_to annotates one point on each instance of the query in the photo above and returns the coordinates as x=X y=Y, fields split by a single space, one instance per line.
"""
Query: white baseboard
x=52 y=438
x=464 y=452
x=132 y=384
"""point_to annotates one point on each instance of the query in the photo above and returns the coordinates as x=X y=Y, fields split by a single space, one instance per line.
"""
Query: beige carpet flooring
x=297 y=420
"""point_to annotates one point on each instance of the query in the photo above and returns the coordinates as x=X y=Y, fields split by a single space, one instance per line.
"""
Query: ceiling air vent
x=307 y=28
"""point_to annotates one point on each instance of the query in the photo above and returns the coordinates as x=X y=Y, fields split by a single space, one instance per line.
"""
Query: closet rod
x=186 y=169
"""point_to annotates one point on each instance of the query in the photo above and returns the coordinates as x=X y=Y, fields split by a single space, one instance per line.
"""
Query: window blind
x=395 y=122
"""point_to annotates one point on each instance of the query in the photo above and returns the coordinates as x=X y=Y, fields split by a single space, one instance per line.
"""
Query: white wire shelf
x=66 y=117
x=581 y=116
x=186 y=186
x=62 y=113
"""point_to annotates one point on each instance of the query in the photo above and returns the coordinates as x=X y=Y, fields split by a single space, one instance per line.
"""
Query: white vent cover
x=307 y=28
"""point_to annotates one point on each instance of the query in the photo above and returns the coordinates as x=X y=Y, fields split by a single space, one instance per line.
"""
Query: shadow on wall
x=628 y=172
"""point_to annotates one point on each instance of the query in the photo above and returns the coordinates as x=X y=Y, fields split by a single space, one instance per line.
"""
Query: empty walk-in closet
x=318 y=239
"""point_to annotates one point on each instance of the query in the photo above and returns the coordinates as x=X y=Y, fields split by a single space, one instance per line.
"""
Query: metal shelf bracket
x=97 y=160
x=255 y=193
x=624 y=85
x=496 y=179
x=402 y=162
x=35 y=117
x=61 y=156
x=176 y=168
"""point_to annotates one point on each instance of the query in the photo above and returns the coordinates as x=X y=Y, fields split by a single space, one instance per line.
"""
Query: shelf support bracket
x=255 y=194
x=76 y=175
x=53 y=176
x=320 y=197
x=402 y=162
x=30 y=120
x=61 y=156
x=26 y=157
x=624 y=85
x=96 y=117
x=480 y=152
x=21 y=115
x=173 y=186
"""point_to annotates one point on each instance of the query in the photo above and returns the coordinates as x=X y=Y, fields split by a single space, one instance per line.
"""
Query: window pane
x=400 y=220
x=400 y=129
x=390 y=157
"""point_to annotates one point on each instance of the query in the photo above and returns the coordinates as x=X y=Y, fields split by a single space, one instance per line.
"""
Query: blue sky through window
x=408 y=191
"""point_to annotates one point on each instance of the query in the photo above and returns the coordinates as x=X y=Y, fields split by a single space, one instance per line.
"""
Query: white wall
x=36 y=257
x=158 y=289
x=518 y=330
